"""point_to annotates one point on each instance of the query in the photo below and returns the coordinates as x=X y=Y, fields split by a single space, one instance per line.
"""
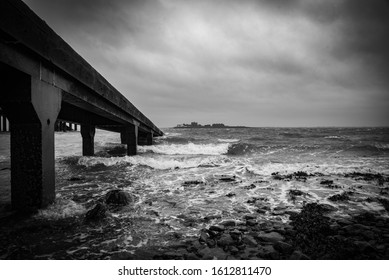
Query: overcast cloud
x=246 y=62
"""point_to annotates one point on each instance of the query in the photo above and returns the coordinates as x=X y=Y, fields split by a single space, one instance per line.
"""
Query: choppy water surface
x=193 y=178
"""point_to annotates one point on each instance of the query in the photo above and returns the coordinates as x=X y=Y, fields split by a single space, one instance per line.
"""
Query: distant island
x=215 y=125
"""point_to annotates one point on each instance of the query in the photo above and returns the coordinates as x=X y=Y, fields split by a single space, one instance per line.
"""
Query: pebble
x=203 y=237
x=229 y=223
x=251 y=223
x=272 y=237
x=298 y=255
x=250 y=241
x=211 y=243
x=217 y=228
x=268 y=252
x=225 y=240
x=234 y=250
x=283 y=247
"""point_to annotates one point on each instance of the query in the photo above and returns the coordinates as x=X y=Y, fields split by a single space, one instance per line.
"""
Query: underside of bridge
x=43 y=79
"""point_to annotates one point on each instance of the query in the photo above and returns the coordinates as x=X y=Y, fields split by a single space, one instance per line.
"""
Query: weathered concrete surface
x=33 y=114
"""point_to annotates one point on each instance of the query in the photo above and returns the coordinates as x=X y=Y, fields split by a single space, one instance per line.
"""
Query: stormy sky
x=246 y=62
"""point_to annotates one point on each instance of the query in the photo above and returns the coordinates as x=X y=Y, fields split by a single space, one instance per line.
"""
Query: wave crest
x=187 y=149
x=155 y=162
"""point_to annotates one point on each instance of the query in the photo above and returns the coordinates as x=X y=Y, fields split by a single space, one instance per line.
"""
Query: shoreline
x=312 y=231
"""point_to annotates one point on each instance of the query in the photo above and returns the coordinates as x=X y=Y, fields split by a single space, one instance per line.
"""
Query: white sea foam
x=187 y=149
x=62 y=208
x=325 y=168
x=228 y=140
x=155 y=162
x=333 y=137
x=169 y=134
x=382 y=145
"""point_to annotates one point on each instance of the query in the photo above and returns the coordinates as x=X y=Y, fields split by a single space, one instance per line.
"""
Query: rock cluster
x=113 y=200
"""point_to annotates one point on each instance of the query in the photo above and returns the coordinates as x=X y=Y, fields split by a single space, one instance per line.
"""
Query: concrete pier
x=88 y=139
x=44 y=80
x=32 y=107
x=131 y=139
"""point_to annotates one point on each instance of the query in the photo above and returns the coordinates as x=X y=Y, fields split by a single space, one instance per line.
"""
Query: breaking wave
x=156 y=162
x=187 y=149
x=228 y=140
x=62 y=208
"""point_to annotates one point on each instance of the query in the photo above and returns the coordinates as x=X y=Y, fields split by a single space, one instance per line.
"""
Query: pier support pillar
x=88 y=139
x=123 y=136
x=4 y=123
x=149 y=139
x=131 y=137
x=32 y=107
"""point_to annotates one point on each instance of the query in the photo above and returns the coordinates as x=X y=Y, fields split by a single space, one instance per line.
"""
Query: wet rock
x=249 y=241
x=118 y=197
x=340 y=197
x=252 y=200
x=76 y=178
x=242 y=227
x=152 y=213
x=296 y=193
x=261 y=211
x=214 y=234
x=192 y=182
x=211 y=254
x=250 y=187
x=327 y=208
x=249 y=217
x=203 y=237
x=385 y=203
x=172 y=256
x=368 y=235
x=225 y=240
x=228 y=223
x=191 y=256
x=211 y=243
x=326 y=182
x=268 y=252
x=226 y=178
x=217 y=228
x=236 y=234
x=272 y=237
x=251 y=223
x=344 y=222
x=212 y=217
x=97 y=213
x=298 y=255
x=283 y=247
x=233 y=250
x=364 y=247
x=122 y=256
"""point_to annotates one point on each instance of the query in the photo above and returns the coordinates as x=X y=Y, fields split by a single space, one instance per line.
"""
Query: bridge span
x=44 y=80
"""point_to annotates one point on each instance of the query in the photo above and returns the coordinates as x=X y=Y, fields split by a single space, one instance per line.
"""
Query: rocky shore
x=312 y=230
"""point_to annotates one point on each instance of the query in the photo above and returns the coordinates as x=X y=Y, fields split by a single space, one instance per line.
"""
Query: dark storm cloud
x=253 y=62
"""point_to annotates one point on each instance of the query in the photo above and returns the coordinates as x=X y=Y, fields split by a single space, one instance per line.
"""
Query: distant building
x=197 y=125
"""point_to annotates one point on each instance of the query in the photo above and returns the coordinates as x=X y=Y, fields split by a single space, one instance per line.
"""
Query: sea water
x=193 y=178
